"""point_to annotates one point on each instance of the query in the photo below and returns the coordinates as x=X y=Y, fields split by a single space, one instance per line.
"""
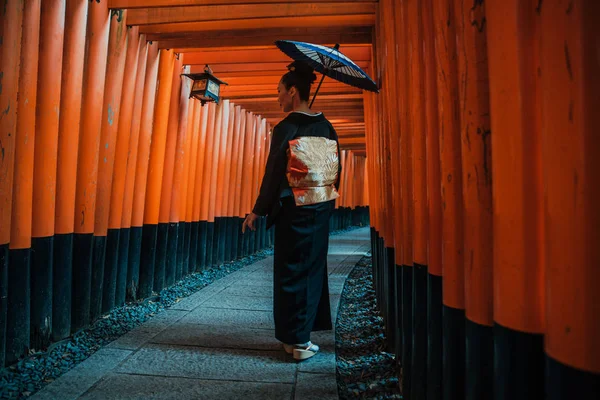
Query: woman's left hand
x=249 y=222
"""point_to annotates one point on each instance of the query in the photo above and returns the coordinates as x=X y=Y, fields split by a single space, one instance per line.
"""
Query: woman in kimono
x=297 y=195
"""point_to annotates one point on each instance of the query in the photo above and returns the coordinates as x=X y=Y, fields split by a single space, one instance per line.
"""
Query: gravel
x=364 y=369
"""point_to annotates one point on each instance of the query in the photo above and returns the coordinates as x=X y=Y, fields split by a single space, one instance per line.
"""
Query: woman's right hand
x=249 y=222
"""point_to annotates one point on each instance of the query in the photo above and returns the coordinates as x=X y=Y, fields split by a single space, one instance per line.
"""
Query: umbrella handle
x=317 y=91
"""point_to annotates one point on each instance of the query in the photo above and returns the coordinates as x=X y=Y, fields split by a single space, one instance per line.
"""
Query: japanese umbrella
x=328 y=61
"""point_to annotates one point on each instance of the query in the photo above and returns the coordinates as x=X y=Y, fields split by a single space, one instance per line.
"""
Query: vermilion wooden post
x=44 y=174
x=227 y=179
x=239 y=181
x=416 y=72
x=477 y=196
x=17 y=135
x=452 y=204
x=104 y=269
x=94 y=75
x=126 y=218
x=183 y=244
x=176 y=211
x=206 y=228
x=219 y=184
x=122 y=152
x=247 y=175
x=155 y=172
x=518 y=209
x=256 y=176
x=192 y=191
x=166 y=249
x=434 y=205
x=66 y=169
x=570 y=78
x=141 y=171
x=220 y=120
x=234 y=187
x=197 y=245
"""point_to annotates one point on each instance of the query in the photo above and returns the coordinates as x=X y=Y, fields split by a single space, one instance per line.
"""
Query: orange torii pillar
x=134 y=136
x=220 y=129
x=141 y=172
x=166 y=257
x=570 y=78
x=87 y=163
x=192 y=192
x=219 y=187
x=183 y=244
x=17 y=134
x=66 y=172
x=162 y=238
x=104 y=274
x=434 y=206
x=418 y=376
x=452 y=204
x=233 y=187
x=247 y=177
x=225 y=250
x=177 y=211
x=160 y=120
x=477 y=197
x=238 y=206
x=206 y=230
x=519 y=320
x=122 y=152
x=52 y=18
x=199 y=124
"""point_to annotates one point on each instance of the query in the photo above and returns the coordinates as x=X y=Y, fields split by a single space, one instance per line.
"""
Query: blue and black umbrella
x=330 y=62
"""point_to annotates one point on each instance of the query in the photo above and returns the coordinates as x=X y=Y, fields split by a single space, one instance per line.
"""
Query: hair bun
x=303 y=69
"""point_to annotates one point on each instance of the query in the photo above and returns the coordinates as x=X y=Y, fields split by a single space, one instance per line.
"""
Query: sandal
x=301 y=351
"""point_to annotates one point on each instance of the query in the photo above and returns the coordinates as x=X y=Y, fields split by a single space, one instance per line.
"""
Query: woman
x=297 y=195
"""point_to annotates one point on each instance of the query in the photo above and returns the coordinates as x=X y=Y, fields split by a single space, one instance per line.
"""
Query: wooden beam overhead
x=258 y=23
x=260 y=37
x=259 y=68
x=355 y=53
x=132 y=4
x=169 y=15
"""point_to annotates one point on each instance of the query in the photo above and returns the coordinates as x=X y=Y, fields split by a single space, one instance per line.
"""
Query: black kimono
x=300 y=290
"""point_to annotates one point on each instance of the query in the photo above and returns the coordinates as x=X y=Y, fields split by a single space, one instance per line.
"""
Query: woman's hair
x=301 y=75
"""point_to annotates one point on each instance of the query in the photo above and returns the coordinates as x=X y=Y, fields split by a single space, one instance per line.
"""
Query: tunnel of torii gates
x=477 y=168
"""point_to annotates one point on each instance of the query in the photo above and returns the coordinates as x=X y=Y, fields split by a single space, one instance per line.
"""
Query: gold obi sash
x=312 y=169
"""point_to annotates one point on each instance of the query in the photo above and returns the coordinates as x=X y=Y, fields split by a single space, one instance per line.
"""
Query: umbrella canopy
x=328 y=61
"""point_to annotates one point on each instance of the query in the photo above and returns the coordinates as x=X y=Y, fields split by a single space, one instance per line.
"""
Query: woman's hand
x=249 y=222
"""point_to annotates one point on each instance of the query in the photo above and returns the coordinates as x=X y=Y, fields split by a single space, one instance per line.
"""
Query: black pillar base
x=133 y=271
x=42 y=257
x=453 y=359
x=193 y=258
x=519 y=362
x=123 y=263
x=172 y=247
x=565 y=382
x=111 y=267
x=160 y=264
x=407 y=328
x=210 y=232
x=3 y=300
x=62 y=286
x=18 y=315
x=201 y=256
x=479 y=352
x=180 y=250
x=82 y=281
x=148 y=260
x=434 y=337
x=419 y=337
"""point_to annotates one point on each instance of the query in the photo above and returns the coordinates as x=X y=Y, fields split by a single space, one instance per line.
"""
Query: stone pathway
x=216 y=344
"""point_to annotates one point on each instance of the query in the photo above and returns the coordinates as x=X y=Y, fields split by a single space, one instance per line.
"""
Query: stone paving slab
x=142 y=387
x=258 y=291
x=253 y=303
x=218 y=337
x=81 y=378
x=229 y=317
x=211 y=363
x=316 y=387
